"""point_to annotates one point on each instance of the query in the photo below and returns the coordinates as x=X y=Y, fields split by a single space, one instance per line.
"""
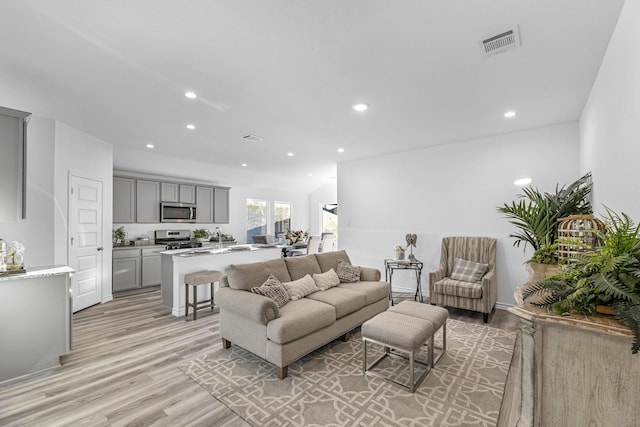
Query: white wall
x=450 y=190
x=610 y=121
x=80 y=154
x=244 y=185
x=36 y=231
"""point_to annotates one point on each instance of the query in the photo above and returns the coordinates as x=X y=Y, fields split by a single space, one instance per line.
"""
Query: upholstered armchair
x=466 y=277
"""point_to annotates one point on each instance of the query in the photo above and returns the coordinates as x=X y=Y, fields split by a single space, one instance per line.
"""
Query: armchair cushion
x=468 y=271
x=458 y=288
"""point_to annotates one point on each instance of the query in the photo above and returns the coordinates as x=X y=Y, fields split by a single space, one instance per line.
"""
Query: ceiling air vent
x=253 y=138
x=499 y=43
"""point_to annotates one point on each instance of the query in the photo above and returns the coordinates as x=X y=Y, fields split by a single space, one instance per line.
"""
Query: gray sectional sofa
x=282 y=335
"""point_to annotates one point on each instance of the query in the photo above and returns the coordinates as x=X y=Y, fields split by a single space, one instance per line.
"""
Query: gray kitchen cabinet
x=182 y=193
x=187 y=193
x=124 y=200
x=170 y=192
x=151 y=269
x=126 y=269
x=221 y=205
x=204 y=207
x=147 y=201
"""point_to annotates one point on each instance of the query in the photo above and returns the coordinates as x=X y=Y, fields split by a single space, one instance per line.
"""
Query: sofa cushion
x=468 y=271
x=300 y=288
x=300 y=318
x=458 y=288
x=372 y=291
x=348 y=273
x=298 y=266
x=247 y=276
x=273 y=289
x=326 y=280
x=329 y=260
x=344 y=301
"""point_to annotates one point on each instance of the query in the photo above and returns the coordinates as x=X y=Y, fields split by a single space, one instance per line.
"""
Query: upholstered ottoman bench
x=436 y=315
x=404 y=335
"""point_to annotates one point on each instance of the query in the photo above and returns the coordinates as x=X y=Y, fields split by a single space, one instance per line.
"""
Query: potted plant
x=118 y=235
x=609 y=275
x=200 y=234
x=535 y=214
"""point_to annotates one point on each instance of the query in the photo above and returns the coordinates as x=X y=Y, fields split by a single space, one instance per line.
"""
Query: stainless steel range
x=176 y=239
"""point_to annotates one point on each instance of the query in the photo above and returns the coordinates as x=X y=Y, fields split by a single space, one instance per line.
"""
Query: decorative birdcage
x=576 y=235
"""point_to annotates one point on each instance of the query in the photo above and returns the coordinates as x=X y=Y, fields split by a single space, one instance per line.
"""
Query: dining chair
x=328 y=240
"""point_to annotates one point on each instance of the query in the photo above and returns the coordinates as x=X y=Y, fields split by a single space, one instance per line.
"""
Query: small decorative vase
x=399 y=255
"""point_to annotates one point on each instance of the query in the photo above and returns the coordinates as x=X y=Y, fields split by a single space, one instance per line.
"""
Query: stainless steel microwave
x=177 y=212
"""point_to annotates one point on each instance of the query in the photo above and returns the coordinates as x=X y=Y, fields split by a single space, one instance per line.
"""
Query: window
x=281 y=217
x=330 y=219
x=256 y=218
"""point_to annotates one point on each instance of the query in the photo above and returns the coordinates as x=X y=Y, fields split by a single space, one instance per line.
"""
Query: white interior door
x=85 y=241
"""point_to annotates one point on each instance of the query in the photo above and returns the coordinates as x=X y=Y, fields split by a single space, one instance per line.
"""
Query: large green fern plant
x=535 y=215
x=608 y=275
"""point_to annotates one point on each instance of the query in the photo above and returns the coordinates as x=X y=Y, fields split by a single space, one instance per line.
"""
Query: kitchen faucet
x=219 y=231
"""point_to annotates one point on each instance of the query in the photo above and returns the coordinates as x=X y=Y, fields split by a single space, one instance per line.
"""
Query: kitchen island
x=35 y=320
x=177 y=263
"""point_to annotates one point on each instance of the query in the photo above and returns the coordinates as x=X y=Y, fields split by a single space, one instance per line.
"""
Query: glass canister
x=3 y=255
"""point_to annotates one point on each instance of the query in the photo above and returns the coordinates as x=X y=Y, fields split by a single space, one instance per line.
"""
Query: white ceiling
x=289 y=71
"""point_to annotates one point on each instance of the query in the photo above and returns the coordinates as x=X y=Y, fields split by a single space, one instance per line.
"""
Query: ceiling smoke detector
x=253 y=138
x=501 y=42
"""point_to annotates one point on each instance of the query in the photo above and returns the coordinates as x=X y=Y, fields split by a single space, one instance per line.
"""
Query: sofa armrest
x=369 y=274
x=251 y=306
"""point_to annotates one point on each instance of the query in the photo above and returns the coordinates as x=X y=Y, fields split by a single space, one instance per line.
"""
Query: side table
x=390 y=265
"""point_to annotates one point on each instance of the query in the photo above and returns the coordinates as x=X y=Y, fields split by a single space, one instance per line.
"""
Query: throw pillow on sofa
x=273 y=289
x=468 y=271
x=326 y=280
x=300 y=288
x=348 y=273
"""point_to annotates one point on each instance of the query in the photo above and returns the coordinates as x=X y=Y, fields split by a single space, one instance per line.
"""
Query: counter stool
x=195 y=279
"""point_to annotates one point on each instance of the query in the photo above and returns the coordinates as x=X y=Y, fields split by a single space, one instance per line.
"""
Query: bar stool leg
x=195 y=302
x=211 y=284
x=186 y=300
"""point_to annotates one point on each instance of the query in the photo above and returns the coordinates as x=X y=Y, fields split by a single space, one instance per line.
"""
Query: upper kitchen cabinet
x=204 y=207
x=179 y=193
x=124 y=200
x=13 y=134
x=221 y=205
x=147 y=201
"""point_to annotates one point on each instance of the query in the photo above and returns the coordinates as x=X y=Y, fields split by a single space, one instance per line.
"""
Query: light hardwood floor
x=123 y=370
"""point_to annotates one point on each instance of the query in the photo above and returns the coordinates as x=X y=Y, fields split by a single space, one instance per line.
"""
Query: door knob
x=100 y=248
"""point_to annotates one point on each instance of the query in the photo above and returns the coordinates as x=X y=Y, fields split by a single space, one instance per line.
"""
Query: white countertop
x=33 y=272
x=212 y=250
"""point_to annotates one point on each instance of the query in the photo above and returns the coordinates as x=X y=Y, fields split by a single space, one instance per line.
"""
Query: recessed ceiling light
x=510 y=114
x=340 y=150
x=244 y=165
x=190 y=95
x=150 y=146
x=360 y=107
x=522 y=181
x=290 y=154
x=309 y=174
x=191 y=126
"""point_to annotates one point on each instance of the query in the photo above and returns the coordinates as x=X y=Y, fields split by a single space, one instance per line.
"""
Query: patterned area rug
x=328 y=388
